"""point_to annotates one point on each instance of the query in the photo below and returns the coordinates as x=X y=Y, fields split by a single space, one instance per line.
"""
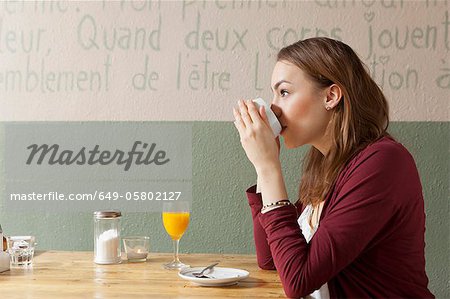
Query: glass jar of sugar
x=107 y=237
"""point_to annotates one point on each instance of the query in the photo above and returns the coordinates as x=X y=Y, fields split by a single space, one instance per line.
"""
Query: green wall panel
x=221 y=220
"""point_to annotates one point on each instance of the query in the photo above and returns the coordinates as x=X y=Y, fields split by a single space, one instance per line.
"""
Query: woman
x=361 y=228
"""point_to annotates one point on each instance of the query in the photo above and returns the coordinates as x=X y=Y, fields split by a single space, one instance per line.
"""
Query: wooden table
x=73 y=274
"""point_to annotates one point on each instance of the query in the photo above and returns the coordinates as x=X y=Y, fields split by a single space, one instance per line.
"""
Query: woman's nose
x=276 y=110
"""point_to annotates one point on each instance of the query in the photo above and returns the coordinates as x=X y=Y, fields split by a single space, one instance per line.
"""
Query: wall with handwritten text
x=191 y=60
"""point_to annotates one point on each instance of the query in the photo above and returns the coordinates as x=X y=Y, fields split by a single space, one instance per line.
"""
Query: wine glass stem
x=175 y=250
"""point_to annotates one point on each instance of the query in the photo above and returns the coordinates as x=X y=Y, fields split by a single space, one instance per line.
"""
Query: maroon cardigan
x=370 y=239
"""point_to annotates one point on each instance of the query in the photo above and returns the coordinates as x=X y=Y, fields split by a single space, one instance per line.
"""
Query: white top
x=308 y=233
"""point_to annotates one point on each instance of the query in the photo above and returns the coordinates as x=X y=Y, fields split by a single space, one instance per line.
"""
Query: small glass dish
x=136 y=248
x=21 y=250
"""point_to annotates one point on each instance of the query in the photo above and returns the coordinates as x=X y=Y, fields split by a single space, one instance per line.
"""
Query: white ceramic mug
x=273 y=121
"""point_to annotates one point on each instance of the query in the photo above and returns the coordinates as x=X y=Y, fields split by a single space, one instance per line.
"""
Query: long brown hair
x=361 y=117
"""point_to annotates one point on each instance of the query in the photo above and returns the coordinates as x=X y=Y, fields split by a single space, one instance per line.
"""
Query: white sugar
x=107 y=250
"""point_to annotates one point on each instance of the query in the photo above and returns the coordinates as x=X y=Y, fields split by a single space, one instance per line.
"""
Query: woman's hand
x=257 y=138
x=262 y=150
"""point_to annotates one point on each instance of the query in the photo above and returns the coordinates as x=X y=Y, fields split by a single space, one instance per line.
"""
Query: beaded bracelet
x=280 y=203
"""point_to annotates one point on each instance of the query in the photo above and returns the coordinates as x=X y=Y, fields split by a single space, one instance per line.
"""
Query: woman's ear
x=333 y=96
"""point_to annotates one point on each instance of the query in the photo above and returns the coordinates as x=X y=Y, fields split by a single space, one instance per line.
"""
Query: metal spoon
x=200 y=274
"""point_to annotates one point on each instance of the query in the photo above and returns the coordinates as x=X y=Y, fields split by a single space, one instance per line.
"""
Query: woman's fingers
x=247 y=115
x=244 y=113
x=238 y=123
x=263 y=113
x=253 y=112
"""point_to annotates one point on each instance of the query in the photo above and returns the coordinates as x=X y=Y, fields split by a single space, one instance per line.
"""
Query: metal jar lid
x=107 y=214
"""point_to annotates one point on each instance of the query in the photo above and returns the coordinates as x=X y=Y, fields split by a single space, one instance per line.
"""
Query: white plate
x=218 y=276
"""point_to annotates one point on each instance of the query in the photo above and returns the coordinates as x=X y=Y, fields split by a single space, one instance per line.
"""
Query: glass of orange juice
x=175 y=218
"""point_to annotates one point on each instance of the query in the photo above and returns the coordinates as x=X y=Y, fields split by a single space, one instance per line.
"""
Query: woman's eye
x=283 y=92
